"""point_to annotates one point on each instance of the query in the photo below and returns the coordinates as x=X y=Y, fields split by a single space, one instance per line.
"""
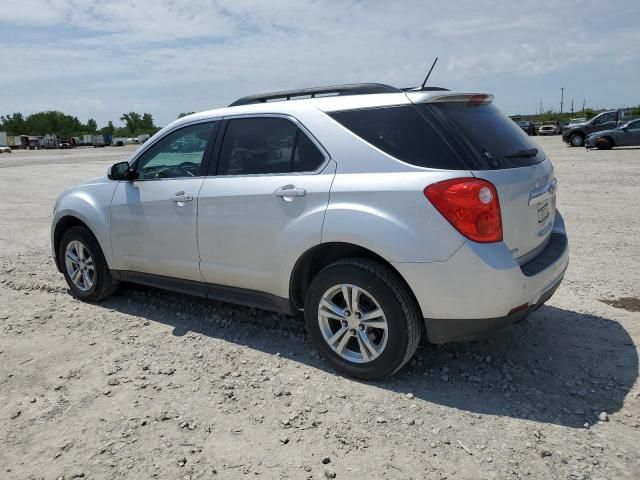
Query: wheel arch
x=62 y=225
x=609 y=138
x=319 y=256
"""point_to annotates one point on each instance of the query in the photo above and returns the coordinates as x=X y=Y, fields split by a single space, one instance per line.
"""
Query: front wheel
x=604 y=144
x=362 y=319
x=576 y=140
x=84 y=267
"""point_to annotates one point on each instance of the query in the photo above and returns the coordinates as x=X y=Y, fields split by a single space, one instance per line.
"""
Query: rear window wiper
x=527 y=153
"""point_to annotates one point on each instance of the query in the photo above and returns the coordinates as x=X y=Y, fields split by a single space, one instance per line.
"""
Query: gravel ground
x=155 y=384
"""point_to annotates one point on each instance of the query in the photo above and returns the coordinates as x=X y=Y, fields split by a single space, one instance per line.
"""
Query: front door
x=153 y=218
x=264 y=206
x=630 y=135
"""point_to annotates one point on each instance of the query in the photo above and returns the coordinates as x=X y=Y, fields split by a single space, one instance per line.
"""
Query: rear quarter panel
x=388 y=214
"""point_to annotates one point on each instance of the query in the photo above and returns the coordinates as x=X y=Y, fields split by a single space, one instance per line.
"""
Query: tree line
x=51 y=121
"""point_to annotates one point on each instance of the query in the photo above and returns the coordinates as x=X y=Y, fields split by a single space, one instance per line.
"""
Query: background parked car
x=5 y=149
x=528 y=127
x=575 y=135
x=623 y=136
x=550 y=128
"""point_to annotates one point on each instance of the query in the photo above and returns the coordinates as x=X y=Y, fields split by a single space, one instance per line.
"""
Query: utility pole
x=572 y=107
x=561 y=99
x=584 y=102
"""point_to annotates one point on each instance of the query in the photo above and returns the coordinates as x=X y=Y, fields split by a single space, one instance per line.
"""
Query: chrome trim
x=544 y=192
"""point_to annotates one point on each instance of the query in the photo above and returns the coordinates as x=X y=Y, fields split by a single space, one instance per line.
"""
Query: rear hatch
x=494 y=148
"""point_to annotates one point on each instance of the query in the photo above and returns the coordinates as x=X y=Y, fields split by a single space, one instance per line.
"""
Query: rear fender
x=390 y=215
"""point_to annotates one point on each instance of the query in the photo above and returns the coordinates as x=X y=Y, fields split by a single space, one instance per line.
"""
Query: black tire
x=103 y=285
x=576 y=140
x=400 y=309
x=604 y=144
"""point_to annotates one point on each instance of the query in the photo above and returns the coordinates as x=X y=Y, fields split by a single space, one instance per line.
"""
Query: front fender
x=91 y=204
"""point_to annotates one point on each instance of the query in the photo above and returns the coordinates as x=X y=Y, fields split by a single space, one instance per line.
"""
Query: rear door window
x=403 y=133
x=266 y=145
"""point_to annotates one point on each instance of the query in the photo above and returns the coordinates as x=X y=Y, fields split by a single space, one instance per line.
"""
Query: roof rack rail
x=424 y=89
x=348 y=89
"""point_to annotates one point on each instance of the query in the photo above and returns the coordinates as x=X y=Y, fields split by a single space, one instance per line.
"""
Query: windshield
x=492 y=139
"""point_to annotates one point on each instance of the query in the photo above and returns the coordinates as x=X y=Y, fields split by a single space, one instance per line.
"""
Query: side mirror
x=120 y=171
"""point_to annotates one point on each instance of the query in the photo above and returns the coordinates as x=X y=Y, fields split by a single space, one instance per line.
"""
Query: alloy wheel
x=80 y=266
x=352 y=323
x=576 y=141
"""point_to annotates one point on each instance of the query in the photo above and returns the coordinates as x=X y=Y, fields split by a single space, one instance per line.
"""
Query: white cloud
x=167 y=56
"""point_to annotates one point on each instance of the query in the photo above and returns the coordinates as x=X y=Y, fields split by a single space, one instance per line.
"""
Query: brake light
x=477 y=100
x=471 y=205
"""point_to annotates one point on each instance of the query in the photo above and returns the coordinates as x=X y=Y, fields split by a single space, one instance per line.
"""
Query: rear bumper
x=481 y=288
x=450 y=330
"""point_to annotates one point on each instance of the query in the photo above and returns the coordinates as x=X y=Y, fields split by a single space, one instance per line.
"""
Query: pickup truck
x=576 y=134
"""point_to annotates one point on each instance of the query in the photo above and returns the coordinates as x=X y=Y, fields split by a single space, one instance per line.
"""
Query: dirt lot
x=155 y=384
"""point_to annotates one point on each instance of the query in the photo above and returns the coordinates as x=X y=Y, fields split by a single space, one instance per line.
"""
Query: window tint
x=266 y=145
x=306 y=157
x=491 y=139
x=403 y=133
x=179 y=154
x=606 y=118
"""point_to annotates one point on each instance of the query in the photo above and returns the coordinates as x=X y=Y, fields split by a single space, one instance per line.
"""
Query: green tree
x=132 y=121
x=92 y=125
x=108 y=130
x=14 y=124
x=53 y=121
x=146 y=124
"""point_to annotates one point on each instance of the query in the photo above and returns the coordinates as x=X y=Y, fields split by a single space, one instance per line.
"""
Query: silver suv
x=380 y=213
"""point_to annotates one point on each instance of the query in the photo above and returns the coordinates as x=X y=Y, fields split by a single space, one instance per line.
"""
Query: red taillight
x=471 y=205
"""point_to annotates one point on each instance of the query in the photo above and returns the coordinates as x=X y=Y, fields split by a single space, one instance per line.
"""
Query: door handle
x=181 y=197
x=290 y=191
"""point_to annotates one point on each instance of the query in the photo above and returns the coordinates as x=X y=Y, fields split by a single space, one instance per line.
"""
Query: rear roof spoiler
x=472 y=99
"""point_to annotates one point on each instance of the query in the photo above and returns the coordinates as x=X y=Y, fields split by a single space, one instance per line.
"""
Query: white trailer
x=15 y=142
x=98 y=141
x=3 y=138
x=50 y=140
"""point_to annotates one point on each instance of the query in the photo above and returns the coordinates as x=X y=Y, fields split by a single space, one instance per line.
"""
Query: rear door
x=605 y=121
x=630 y=135
x=500 y=152
x=263 y=204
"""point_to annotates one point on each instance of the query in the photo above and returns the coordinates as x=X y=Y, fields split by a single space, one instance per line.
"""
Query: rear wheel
x=84 y=266
x=362 y=319
x=576 y=140
x=604 y=144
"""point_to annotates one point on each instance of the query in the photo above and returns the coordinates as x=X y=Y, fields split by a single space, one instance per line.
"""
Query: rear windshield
x=494 y=140
x=452 y=136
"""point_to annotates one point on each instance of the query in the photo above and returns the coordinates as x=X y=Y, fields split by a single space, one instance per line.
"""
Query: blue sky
x=100 y=59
